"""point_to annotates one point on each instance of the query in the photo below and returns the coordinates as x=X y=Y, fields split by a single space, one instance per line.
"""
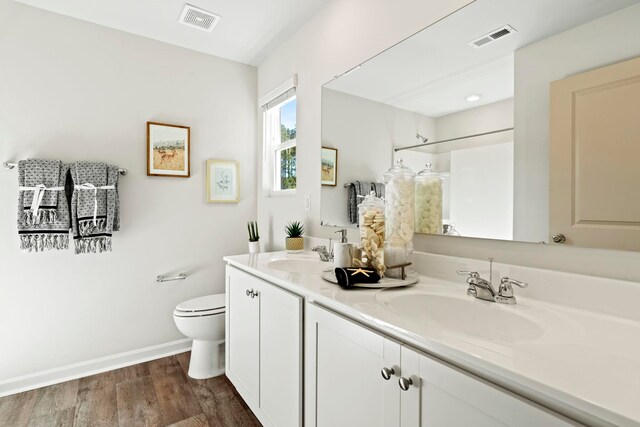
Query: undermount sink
x=466 y=316
x=299 y=265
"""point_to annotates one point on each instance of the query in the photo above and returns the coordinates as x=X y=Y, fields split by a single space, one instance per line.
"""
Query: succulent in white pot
x=254 y=237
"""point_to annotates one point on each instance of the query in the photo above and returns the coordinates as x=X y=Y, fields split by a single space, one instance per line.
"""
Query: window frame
x=273 y=146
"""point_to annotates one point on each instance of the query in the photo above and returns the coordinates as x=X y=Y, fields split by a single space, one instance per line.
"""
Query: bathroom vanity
x=430 y=355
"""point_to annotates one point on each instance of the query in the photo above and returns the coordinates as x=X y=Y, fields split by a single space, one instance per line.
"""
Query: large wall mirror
x=526 y=112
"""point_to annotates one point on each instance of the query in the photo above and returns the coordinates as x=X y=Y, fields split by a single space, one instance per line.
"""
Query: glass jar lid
x=429 y=173
x=371 y=201
x=399 y=170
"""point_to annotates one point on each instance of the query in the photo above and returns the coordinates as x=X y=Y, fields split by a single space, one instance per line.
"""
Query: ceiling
x=434 y=71
x=248 y=32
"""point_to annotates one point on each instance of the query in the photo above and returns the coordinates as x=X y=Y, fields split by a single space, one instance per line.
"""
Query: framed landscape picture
x=168 y=150
x=329 y=173
x=222 y=181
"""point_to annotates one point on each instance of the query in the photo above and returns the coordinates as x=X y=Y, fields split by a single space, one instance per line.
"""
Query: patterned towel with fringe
x=43 y=212
x=95 y=208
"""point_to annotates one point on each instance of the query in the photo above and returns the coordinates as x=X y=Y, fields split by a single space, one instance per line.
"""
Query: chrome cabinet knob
x=404 y=383
x=251 y=293
x=387 y=373
x=558 y=238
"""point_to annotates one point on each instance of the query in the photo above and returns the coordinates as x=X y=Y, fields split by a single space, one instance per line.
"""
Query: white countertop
x=581 y=363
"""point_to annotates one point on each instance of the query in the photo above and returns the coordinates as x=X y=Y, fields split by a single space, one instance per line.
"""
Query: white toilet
x=203 y=320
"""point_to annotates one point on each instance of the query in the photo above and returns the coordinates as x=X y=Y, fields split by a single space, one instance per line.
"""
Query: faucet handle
x=321 y=248
x=507 y=281
x=506 y=289
x=471 y=274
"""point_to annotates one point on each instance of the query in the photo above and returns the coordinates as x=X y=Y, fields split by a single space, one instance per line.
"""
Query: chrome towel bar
x=8 y=165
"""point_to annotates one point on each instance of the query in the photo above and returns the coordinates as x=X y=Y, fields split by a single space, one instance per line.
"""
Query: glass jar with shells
x=400 y=216
x=371 y=220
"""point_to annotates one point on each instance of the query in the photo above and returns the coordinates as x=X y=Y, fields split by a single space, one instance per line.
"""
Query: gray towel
x=34 y=172
x=378 y=187
x=95 y=206
x=355 y=195
x=52 y=230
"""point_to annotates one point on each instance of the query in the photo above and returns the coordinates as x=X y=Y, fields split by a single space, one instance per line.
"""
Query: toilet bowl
x=202 y=319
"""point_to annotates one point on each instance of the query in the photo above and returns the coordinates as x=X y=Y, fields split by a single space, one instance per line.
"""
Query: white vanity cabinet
x=264 y=348
x=342 y=373
x=345 y=386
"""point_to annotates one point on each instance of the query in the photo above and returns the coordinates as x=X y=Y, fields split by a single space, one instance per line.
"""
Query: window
x=280 y=142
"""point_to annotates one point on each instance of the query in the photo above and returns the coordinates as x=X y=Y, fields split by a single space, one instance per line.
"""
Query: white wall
x=72 y=90
x=342 y=35
x=486 y=118
x=364 y=132
x=482 y=191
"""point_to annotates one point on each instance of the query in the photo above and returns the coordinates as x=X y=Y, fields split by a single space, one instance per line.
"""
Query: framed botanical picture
x=168 y=150
x=329 y=173
x=222 y=181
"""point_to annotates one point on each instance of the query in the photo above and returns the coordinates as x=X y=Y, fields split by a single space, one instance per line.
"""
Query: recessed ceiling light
x=473 y=98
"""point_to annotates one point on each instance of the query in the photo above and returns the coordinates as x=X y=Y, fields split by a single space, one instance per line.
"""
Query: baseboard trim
x=91 y=367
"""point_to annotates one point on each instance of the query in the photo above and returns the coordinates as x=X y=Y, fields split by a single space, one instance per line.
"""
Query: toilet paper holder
x=161 y=278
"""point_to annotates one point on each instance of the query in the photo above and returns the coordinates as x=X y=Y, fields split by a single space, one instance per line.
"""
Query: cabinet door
x=450 y=398
x=280 y=356
x=344 y=385
x=594 y=153
x=242 y=334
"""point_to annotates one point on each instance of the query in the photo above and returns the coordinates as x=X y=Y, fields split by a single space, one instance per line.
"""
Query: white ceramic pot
x=254 y=247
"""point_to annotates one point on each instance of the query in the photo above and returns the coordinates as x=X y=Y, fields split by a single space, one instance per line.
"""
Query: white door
x=450 y=397
x=594 y=151
x=242 y=334
x=280 y=356
x=344 y=384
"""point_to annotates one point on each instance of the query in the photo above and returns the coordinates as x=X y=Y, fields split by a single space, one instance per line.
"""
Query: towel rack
x=162 y=278
x=8 y=165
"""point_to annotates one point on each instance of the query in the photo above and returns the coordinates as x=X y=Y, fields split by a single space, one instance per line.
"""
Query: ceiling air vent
x=198 y=18
x=494 y=35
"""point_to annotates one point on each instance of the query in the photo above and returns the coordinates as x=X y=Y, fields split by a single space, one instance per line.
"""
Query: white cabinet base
x=264 y=348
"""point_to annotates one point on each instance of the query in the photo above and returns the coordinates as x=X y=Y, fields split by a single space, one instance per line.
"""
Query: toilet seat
x=208 y=305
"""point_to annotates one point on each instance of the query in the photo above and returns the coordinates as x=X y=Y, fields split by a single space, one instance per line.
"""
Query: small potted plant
x=254 y=237
x=295 y=241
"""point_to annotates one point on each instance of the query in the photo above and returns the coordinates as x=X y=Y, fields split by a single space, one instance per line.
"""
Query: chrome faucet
x=478 y=287
x=325 y=255
x=482 y=288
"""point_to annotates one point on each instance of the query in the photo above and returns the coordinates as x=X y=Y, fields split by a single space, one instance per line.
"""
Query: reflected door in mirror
x=595 y=154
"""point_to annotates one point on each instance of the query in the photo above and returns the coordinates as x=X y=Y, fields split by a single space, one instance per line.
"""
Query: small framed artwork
x=168 y=150
x=329 y=173
x=222 y=181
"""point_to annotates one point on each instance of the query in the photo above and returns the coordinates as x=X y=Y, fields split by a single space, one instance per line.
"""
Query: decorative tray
x=385 y=282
